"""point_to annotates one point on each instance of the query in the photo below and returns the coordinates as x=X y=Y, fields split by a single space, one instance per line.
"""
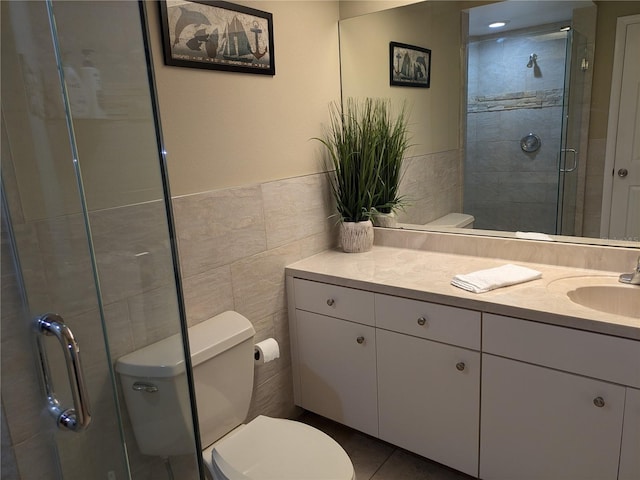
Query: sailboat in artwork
x=236 y=47
x=405 y=70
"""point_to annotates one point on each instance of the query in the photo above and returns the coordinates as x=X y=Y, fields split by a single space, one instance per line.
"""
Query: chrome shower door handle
x=575 y=159
x=77 y=418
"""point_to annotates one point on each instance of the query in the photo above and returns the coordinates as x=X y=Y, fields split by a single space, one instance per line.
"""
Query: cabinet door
x=428 y=398
x=538 y=423
x=630 y=452
x=337 y=365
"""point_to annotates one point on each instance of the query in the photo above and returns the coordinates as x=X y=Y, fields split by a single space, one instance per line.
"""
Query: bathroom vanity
x=518 y=382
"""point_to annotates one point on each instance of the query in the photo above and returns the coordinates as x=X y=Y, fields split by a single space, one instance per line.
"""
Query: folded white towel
x=491 y=278
x=534 y=236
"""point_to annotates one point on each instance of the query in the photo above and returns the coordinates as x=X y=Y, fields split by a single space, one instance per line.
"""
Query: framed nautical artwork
x=217 y=36
x=409 y=66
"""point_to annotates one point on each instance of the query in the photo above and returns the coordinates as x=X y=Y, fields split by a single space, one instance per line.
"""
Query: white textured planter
x=356 y=237
x=388 y=220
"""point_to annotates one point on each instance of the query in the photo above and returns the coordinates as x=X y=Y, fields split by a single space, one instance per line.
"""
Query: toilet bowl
x=154 y=385
x=279 y=449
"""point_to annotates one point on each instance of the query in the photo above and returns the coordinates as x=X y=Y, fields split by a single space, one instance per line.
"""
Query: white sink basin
x=601 y=293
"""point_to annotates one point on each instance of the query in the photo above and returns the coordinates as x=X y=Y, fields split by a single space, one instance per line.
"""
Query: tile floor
x=374 y=459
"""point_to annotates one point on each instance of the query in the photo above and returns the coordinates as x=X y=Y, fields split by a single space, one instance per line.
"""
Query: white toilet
x=154 y=383
x=453 y=220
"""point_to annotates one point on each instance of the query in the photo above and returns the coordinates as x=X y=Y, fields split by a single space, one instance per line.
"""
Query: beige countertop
x=424 y=275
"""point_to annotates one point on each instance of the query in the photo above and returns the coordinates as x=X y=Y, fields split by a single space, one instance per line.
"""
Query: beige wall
x=608 y=13
x=226 y=129
x=435 y=111
x=353 y=8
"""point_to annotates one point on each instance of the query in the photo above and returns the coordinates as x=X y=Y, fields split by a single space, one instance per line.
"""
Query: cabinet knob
x=360 y=340
x=598 y=402
x=331 y=302
x=422 y=321
x=460 y=366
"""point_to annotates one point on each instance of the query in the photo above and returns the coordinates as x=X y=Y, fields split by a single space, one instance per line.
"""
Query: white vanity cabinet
x=548 y=410
x=630 y=451
x=541 y=423
x=428 y=391
x=496 y=397
x=402 y=370
x=336 y=354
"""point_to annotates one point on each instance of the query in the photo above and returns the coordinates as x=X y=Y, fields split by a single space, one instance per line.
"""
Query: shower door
x=86 y=238
x=572 y=159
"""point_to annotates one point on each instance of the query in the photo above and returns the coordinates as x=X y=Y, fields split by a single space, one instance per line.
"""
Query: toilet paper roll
x=266 y=351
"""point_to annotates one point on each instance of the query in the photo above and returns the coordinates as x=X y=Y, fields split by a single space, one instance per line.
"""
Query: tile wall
x=611 y=259
x=233 y=245
x=139 y=301
x=431 y=186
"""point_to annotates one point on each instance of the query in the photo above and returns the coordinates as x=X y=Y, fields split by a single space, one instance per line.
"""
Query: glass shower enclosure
x=528 y=94
x=89 y=266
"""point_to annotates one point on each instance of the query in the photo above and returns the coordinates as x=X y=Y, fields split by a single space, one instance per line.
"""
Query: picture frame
x=409 y=65
x=217 y=35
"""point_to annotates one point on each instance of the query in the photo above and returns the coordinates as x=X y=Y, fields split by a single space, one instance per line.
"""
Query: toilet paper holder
x=266 y=351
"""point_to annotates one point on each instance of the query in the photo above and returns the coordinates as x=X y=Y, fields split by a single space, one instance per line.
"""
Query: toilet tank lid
x=452 y=220
x=206 y=340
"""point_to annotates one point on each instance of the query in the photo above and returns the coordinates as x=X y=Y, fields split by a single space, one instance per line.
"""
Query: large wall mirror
x=513 y=137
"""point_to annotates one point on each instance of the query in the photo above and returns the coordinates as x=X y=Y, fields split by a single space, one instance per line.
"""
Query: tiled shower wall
x=506 y=188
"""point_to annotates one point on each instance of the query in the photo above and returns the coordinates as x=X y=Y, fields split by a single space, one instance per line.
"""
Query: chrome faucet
x=632 y=278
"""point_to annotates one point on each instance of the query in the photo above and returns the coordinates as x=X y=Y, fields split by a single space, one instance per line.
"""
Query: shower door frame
x=572 y=157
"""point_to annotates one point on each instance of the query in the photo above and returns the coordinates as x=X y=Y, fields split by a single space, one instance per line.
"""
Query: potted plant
x=352 y=147
x=392 y=144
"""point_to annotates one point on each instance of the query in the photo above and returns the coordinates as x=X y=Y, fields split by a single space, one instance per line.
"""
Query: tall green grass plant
x=353 y=158
x=366 y=146
x=392 y=142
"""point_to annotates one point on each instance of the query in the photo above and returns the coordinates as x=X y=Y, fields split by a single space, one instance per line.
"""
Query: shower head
x=532 y=60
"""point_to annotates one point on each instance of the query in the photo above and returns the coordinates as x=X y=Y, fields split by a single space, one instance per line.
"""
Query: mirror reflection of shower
x=505 y=187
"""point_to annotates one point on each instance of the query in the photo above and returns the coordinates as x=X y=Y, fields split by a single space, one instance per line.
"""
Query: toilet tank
x=156 y=393
x=455 y=220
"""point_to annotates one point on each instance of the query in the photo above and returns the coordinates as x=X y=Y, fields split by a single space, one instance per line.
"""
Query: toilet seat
x=277 y=449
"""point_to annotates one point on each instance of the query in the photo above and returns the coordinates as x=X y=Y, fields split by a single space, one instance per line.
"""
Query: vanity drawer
x=595 y=355
x=333 y=301
x=442 y=323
